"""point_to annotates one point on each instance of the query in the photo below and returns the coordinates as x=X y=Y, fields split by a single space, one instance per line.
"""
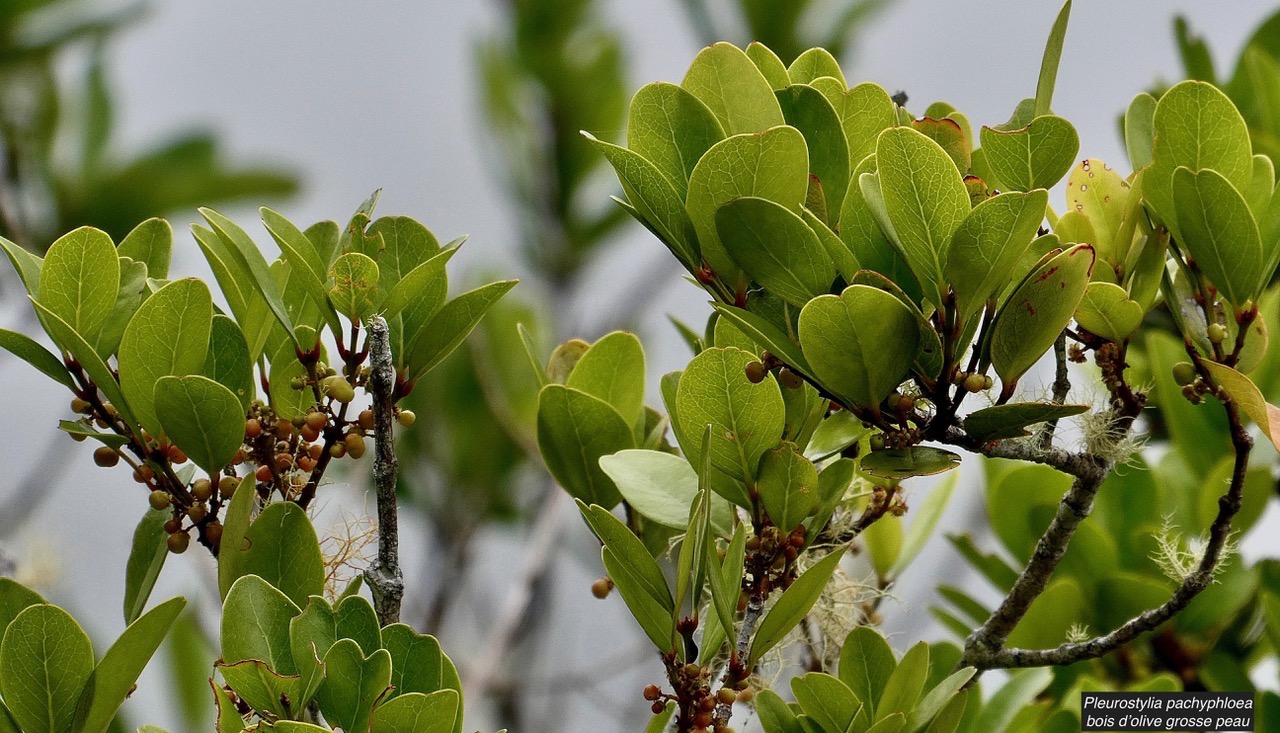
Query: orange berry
x=317 y=420
x=252 y=428
x=263 y=474
x=600 y=589
x=366 y=420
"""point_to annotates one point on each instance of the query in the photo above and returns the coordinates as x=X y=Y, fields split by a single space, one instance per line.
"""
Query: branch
x=1195 y=582
x=386 y=582
x=1061 y=387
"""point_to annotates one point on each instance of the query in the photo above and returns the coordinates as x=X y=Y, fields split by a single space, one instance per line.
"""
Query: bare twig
x=386 y=582
x=1061 y=387
x=538 y=556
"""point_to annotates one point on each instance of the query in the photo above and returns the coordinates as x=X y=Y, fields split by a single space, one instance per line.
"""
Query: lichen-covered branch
x=386 y=581
x=1195 y=582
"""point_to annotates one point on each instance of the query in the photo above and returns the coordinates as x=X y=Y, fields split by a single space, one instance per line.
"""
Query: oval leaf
x=202 y=417
x=1037 y=311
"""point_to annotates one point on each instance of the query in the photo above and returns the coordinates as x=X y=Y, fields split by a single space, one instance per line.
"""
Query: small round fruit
x=1184 y=373
x=179 y=542
x=366 y=420
x=1217 y=333
x=340 y=389
x=106 y=457
x=756 y=372
x=283 y=461
x=726 y=696
x=707 y=703
x=600 y=589
x=406 y=418
x=202 y=489
x=78 y=437
x=143 y=474
x=298 y=383
x=790 y=379
x=306 y=464
x=159 y=500
x=317 y=420
x=252 y=428
x=338 y=450
x=702 y=719
x=746 y=695
x=197 y=512
x=355 y=445
x=315 y=450
x=227 y=486
x=309 y=434
x=213 y=533
x=263 y=474
x=173 y=524
x=877 y=441
x=658 y=707
x=651 y=693
x=975 y=382
x=284 y=429
x=175 y=455
x=80 y=406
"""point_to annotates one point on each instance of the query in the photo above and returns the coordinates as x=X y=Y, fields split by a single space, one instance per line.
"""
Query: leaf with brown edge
x=1246 y=394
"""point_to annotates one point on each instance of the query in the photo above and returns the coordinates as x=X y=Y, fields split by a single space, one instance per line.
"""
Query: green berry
x=159 y=500
x=1217 y=333
x=1184 y=373
x=178 y=542
x=975 y=383
x=756 y=372
x=106 y=457
x=406 y=418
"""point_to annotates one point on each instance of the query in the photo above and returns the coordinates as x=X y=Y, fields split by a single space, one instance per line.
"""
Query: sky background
x=357 y=96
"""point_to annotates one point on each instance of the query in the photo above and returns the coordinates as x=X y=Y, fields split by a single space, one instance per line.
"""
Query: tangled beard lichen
x=1178 y=556
x=348 y=549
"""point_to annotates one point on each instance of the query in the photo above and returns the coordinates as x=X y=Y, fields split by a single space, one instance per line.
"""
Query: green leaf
x=26 y=264
x=808 y=110
x=883 y=540
x=228 y=362
x=246 y=261
x=769 y=65
x=37 y=356
x=304 y=262
x=1246 y=394
x=1107 y=311
x=927 y=514
x=654 y=199
x=672 y=129
x=45 y=660
x=725 y=579
x=938 y=700
x=827 y=701
x=168 y=336
x=235 y=523
x=417 y=663
x=113 y=679
x=256 y=660
x=357 y=620
x=416 y=713
x=788 y=485
x=150 y=243
x=866 y=663
x=916 y=460
x=1101 y=195
x=947 y=133
x=776 y=248
x=80 y=279
x=924 y=199
x=353 y=284
x=93 y=365
x=1195 y=125
x=775 y=715
x=989 y=243
x=146 y=558
x=815 y=63
x=864 y=111
x=202 y=417
x=1008 y=421
x=283 y=550
x=766 y=335
x=451 y=325
x=792 y=606
x=1049 y=65
x=311 y=635
x=860 y=344
x=773 y=164
x=1020 y=690
x=735 y=91
x=353 y=683
x=1221 y=234
x=14 y=599
x=747 y=419
x=287 y=402
x=574 y=430
x=904 y=686
x=613 y=370
x=421 y=289
x=1037 y=311
x=1035 y=156
x=658 y=723
x=1139 y=132
x=407 y=244
x=661 y=487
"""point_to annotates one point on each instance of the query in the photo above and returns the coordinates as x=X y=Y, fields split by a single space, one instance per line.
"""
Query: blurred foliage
x=787 y=27
x=58 y=166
